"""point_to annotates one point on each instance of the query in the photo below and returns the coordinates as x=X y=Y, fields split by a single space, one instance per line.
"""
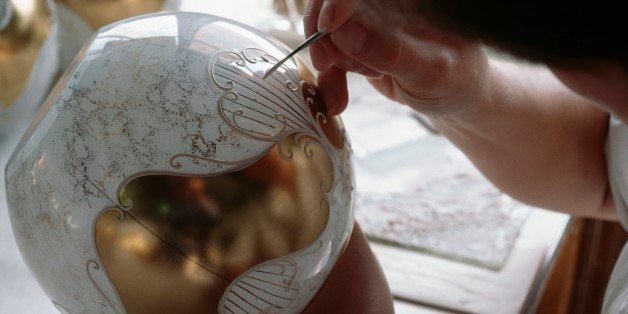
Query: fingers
x=332 y=84
x=350 y=65
x=310 y=18
x=334 y=13
x=323 y=53
x=374 y=48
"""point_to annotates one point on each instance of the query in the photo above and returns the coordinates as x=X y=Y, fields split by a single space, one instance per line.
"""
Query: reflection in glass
x=98 y=13
x=203 y=232
x=24 y=28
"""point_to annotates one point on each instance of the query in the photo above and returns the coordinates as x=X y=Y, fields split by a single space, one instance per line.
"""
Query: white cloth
x=616 y=299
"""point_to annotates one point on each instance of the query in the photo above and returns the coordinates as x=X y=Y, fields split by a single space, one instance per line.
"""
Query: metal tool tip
x=273 y=69
x=310 y=40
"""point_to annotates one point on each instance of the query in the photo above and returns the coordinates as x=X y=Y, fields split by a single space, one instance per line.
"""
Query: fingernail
x=326 y=17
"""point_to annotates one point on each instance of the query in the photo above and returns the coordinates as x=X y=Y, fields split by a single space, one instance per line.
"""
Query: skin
x=536 y=132
x=347 y=289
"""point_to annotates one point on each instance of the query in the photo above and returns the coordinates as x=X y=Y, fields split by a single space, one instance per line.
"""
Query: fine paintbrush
x=310 y=40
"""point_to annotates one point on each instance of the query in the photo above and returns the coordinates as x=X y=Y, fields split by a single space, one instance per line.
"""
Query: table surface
x=421 y=283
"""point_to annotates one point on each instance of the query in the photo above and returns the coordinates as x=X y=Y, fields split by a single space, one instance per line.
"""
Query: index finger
x=322 y=53
x=335 y=13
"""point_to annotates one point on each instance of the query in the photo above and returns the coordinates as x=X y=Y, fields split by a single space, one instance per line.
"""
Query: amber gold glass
x=21 y=40
x=99 y=13
x=200 y=233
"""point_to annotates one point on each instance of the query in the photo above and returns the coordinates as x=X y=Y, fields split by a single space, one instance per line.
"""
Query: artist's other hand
x=404 y=57
x=356 y=284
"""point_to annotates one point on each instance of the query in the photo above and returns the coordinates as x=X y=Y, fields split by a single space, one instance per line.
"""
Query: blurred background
x=448 y=241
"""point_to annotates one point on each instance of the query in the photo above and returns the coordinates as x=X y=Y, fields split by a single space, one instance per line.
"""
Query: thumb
x=401 y=50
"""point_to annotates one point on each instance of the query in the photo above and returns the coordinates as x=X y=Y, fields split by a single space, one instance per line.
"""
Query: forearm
x=536 y=140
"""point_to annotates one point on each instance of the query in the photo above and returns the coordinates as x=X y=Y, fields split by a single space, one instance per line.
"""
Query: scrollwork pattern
x=266 y=111
x=177 y=164
x=264 y=106
x=255 y=55
x=252 y=107
x=237 y=58
x=272 y=284
x=93 y=265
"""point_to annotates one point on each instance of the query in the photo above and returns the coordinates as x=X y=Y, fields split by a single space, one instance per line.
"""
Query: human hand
x=356 y=284
x=405 y=58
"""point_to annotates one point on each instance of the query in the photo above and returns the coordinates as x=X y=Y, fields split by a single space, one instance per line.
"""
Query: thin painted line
x=274 y=295
x=227 y=299
x=255 y=295
x=272 y=283
x=291 y=107
x=247 y=302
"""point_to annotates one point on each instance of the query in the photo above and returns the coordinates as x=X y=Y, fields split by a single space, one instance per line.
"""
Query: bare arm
x=529 y=134
x=537 y=141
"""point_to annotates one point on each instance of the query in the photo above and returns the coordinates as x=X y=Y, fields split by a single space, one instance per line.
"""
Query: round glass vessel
x=165 y=175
